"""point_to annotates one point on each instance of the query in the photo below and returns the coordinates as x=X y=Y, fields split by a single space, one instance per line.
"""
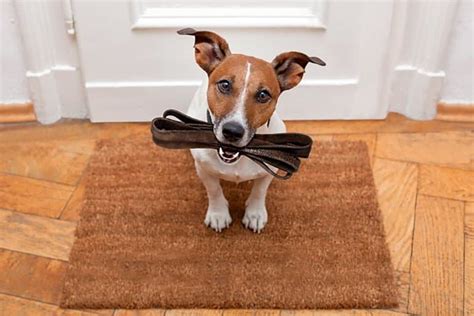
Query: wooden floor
x=424 y=172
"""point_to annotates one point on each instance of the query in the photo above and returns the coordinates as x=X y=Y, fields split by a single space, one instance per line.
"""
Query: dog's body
x=211 y=168
x=240 y=95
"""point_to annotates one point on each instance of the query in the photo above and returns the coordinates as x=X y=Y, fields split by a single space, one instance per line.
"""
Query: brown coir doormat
x=141 y=241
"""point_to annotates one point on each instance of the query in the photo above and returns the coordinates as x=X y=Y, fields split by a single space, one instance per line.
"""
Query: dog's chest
x=243 y=170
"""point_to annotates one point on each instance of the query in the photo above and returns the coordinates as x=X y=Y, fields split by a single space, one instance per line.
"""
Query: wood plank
x=17 y=113
x=267 y=312
x=101 y=312
x=297 y=312
x=342 y=312
x=447 y=183
x=396 y=184
x=33 y=196
x=455 y=112
x=469 y=277
x=36 y=235
x=403 y=283
x=394 y=123
x=469 y=259
x=454 y=149
x=194 y=312
x=469 y=219
x=56 y=161
x=139 y=312
x=238 y=312
x=379 y=312
x=437 y=261
x=73 y=208
x=31 y=277
x=11 y=305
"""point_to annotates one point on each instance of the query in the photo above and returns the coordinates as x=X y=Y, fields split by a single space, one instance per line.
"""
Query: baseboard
x=455 y=112
x=415 y=91
x=17 y=113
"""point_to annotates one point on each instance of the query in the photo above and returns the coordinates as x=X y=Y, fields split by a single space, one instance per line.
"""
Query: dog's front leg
x=217 y=216
x=256 y=215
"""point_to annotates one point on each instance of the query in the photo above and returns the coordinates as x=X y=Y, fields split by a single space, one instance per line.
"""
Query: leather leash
x=282 y=151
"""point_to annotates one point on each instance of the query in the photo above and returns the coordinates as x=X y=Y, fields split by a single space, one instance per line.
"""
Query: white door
x=135 y=66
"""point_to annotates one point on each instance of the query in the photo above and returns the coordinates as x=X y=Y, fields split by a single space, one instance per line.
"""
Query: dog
x=239 y=98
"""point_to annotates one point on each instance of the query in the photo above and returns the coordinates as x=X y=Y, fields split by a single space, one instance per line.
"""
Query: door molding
x=144 y=17
x=419 y=42
x=50 y=51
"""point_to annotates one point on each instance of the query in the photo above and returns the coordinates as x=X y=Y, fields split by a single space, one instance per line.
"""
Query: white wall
x=13 y=84
x=459 y=83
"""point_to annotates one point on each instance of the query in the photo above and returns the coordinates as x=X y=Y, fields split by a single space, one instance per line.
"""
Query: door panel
x=135 y=65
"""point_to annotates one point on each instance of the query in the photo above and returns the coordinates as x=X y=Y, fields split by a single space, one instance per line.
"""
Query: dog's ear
x=209 y=48
x=289 y=68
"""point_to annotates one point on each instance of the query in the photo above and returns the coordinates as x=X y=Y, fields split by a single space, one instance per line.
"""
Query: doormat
x=141 y=241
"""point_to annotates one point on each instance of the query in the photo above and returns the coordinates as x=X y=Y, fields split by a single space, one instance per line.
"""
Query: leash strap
x=281 y=151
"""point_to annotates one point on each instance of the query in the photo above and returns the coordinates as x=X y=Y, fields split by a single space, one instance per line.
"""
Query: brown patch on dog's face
x=253 y=87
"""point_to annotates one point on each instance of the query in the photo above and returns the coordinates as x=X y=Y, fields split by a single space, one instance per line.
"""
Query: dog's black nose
x=233 y=131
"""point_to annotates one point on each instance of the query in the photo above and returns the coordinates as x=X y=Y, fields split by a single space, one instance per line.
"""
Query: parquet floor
x=424 y=172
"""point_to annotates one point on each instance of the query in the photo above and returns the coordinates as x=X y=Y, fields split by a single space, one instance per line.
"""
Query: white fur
x=238 y=113
x=210 y=168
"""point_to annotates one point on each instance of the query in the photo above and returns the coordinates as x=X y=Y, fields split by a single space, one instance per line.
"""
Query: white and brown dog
x=240 y=95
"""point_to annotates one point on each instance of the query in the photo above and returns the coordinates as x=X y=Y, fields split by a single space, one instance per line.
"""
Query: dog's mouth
x=228 y=155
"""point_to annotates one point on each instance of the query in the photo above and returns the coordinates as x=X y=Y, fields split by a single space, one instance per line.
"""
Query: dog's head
x=243 y=90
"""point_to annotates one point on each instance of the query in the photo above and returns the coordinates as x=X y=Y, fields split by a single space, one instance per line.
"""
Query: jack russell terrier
x=239 y=98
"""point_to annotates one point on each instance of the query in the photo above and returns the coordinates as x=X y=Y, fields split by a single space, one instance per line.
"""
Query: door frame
x=51 y=57
x=412 y=84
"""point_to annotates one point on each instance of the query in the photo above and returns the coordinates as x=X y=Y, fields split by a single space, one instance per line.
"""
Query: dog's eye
x=263 y=96
x=224 y=86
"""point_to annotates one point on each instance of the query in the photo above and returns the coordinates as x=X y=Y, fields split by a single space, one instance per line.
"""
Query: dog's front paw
x=255 y=218
x=218 y=220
